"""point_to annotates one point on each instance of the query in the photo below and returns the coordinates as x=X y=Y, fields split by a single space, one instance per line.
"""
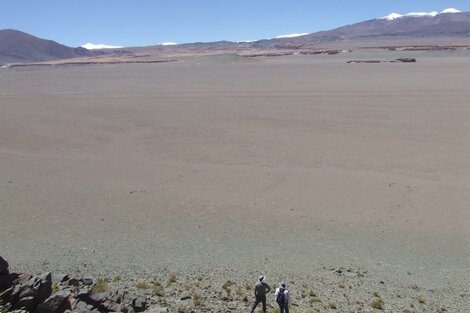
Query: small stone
x=130 y=310
x=115 y=297
x=127 y=298
x=140 y=303
x=80 y=306
x=158 y=310
x=185 y=296
x=72 y=302
x=111 y=306
x=87 y=281
x=98 y=297
x=94 y=300
x=82 y=293
x=72 y=282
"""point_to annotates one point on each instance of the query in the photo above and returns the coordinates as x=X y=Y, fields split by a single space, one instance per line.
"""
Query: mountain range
x=450 y=27
x=16 y=46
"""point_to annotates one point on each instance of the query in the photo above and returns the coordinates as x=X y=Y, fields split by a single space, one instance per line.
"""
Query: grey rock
x=98 y=297
x=43 y=287
x=27 y=291
x=3 y=266
x=185 y=296
x=158 y=310
x=87 y=311
x=7 y=280
x=114 y=296
x=30 y=294
x=80 y=306
x=72 y=283
x=23 y=278
x=6 y=307
x=124 y=308
x=14 y=295
x=59 y=278
x=26 y=303
x=87 y=281
x=111 y=306
x=82 y=293
x=95 y=300
x=127 y=298
x=6 y=294
x=56 y=303
x=140 y=303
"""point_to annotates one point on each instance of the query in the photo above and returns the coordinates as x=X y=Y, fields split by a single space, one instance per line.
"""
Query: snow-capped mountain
x=394 y=16
x=292 y=35
x=449 y=27
x=92 y=46
x=449 y=23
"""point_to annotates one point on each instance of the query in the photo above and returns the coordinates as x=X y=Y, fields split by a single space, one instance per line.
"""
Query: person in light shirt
x=282 y=298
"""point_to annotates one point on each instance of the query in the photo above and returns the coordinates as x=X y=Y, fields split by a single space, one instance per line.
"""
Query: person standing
x=282 y=298
x=261 y=289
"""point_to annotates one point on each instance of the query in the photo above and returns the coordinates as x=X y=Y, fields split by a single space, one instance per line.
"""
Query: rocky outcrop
x=59 y=293
x=400 y=60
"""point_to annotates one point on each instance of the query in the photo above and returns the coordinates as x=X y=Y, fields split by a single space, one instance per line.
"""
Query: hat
x=261 y=278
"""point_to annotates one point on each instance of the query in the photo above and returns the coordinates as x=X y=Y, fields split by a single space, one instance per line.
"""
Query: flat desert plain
x=287 y=166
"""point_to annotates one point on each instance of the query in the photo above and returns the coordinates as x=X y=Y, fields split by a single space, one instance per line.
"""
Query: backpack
x=280 y=298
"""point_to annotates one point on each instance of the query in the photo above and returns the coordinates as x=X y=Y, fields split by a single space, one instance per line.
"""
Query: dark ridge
x=16 y=46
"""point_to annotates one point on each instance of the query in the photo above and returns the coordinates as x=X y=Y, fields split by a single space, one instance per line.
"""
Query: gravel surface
x=289 y=166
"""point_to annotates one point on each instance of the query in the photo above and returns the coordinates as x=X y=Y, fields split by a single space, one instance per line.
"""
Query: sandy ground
x=276 y=165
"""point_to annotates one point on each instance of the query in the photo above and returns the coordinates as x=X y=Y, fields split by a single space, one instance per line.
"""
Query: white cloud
x=291 y=35
x=91 y=46
x=168 y=43
x=394 y=16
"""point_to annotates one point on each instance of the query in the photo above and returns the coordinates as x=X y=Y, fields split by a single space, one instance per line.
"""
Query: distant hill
x=450 y=25
x=16 y=46
x=430 y=30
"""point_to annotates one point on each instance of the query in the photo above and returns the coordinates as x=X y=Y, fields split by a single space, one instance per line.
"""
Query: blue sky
x=147 y=22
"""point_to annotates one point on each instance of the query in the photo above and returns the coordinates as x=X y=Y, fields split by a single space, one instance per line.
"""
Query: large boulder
x=5 y=281
x=56 y=303
x=96 y=300
x=26 y=303
x=33 y=292
x=3 y=266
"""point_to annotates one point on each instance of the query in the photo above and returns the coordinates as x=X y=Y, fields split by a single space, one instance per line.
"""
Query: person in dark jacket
x=261 y=289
